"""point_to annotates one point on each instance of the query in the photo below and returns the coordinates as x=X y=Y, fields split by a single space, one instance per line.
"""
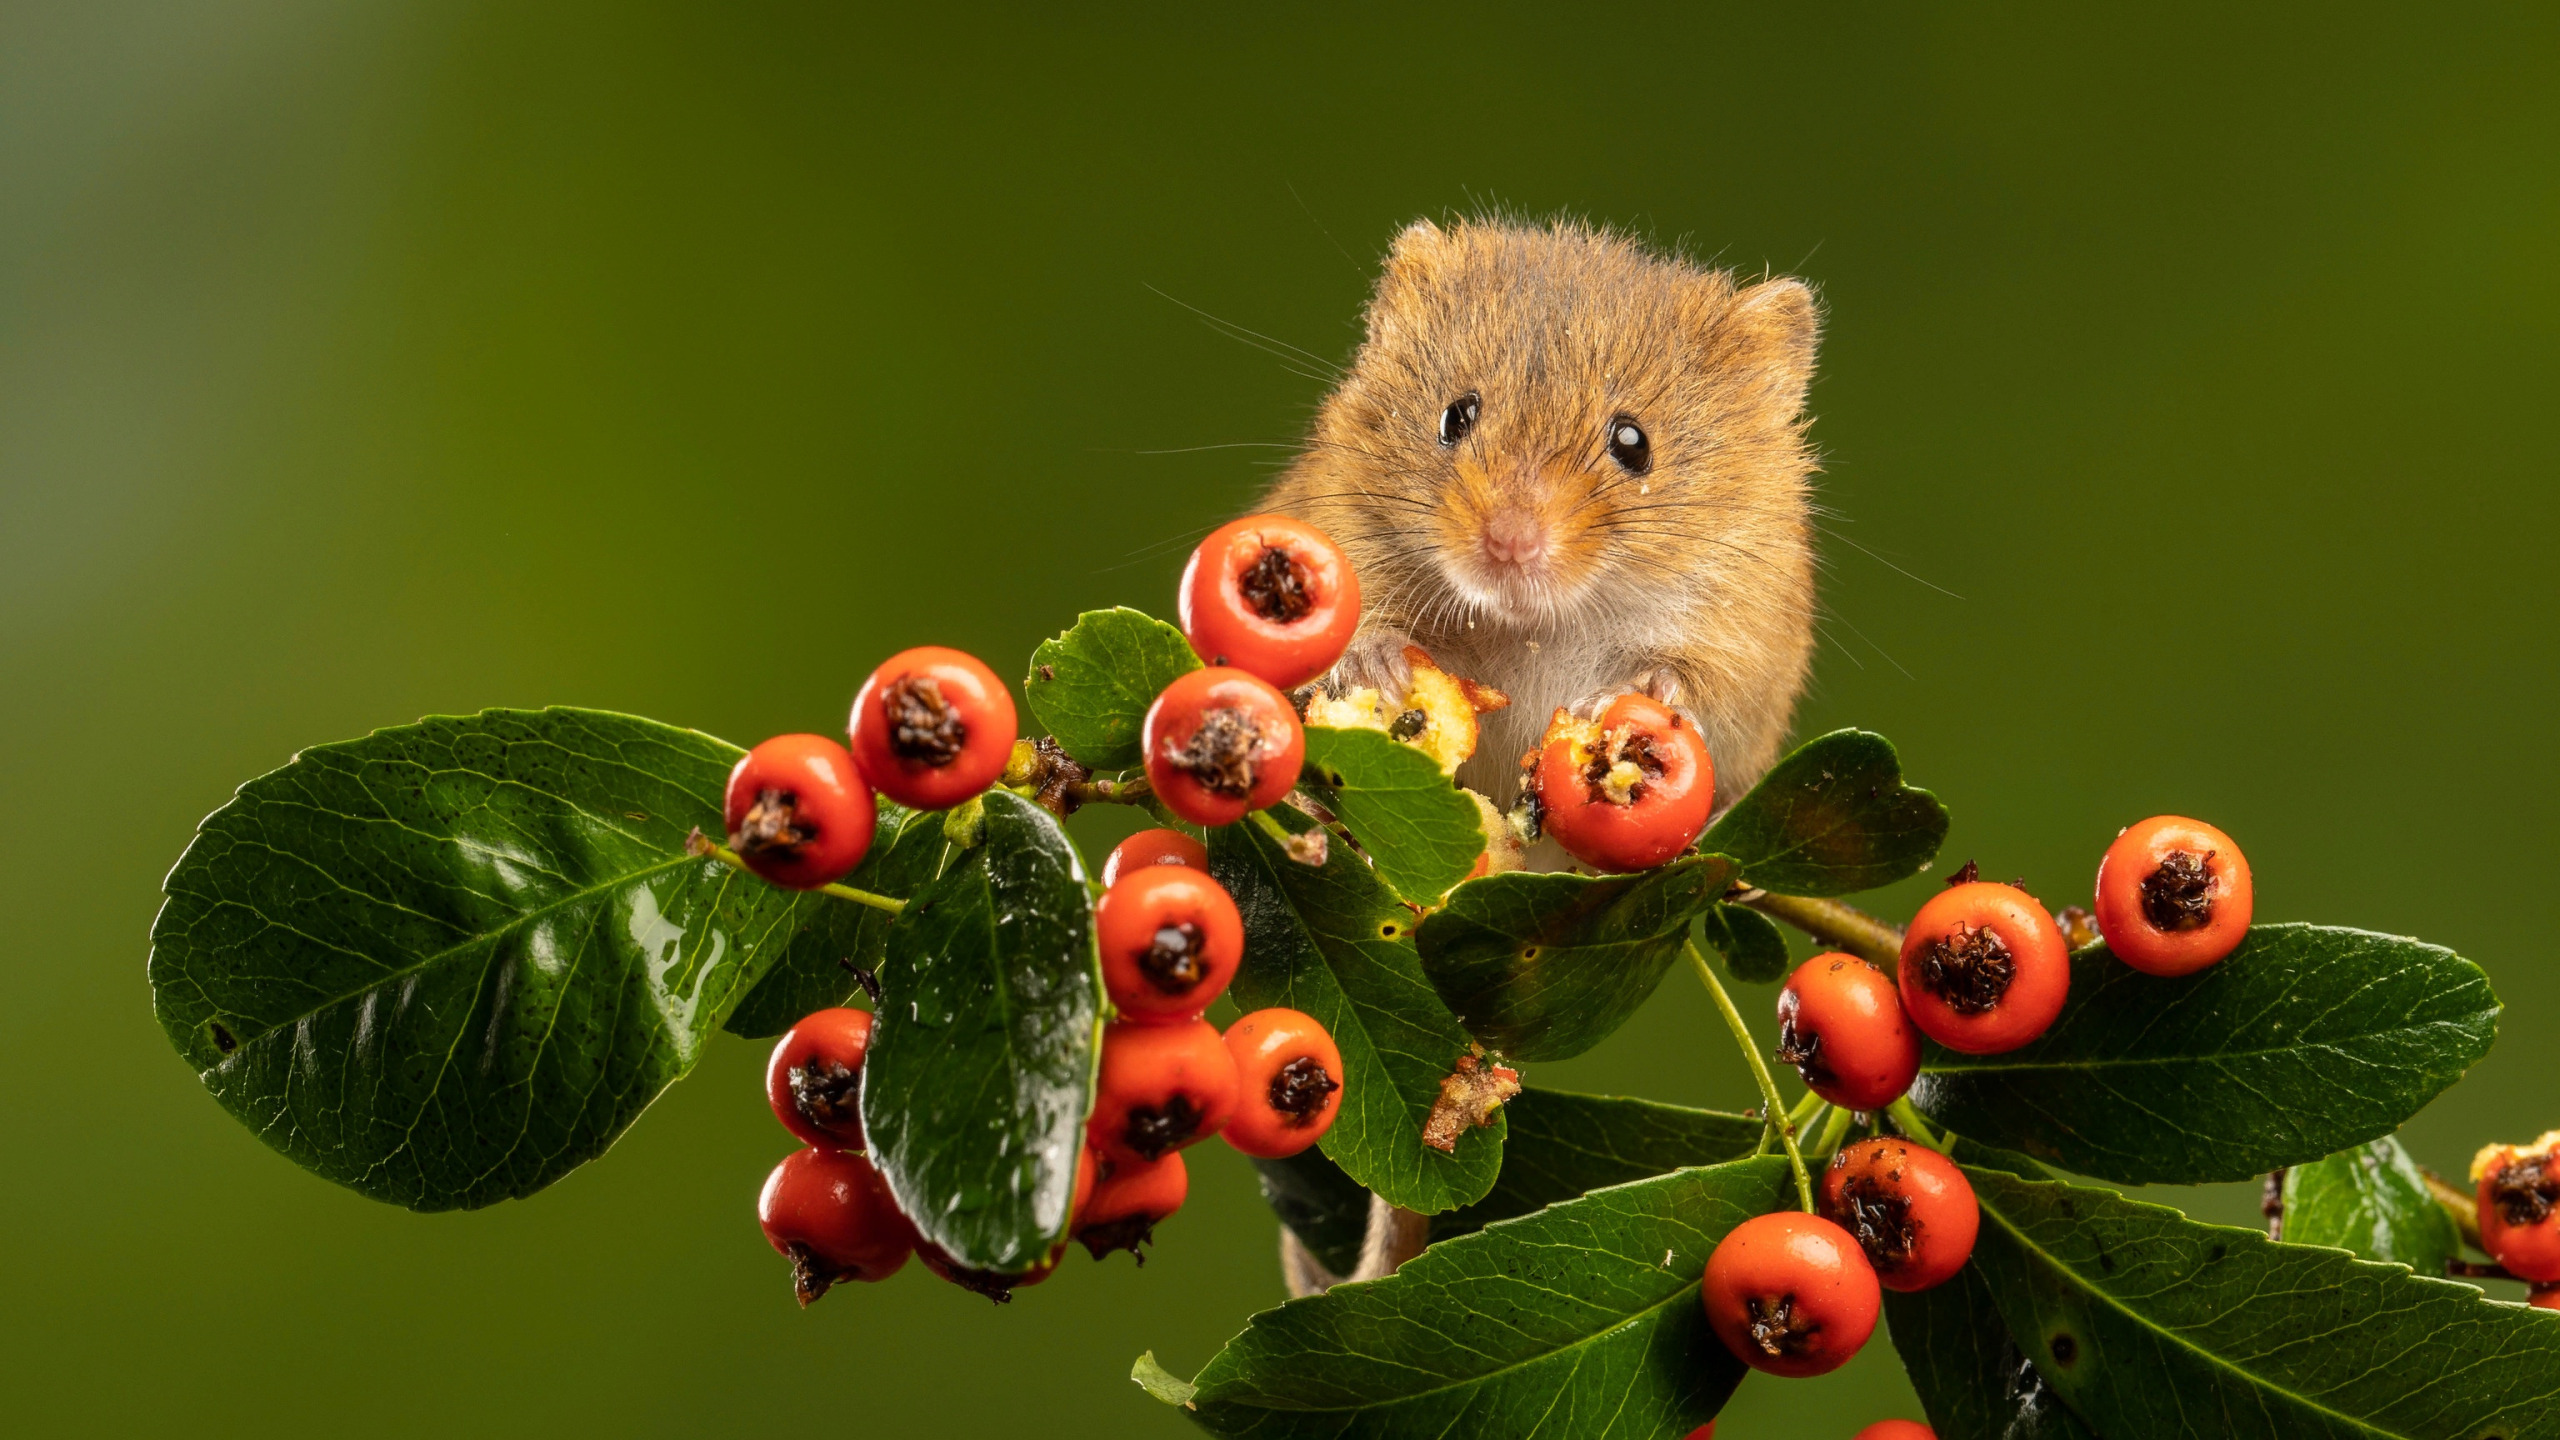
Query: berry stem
x=1835 y=1129
x=1773 y=1110
x=2459 y=1203
x=700 y=844
x=1840 y=926
x=1906 y=1118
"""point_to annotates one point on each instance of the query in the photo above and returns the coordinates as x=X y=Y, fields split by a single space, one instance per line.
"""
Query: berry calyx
x=1153 y=847
x=1984 y=969
x=1790 y=1294
x=932 y=727
x=996 y=1285
x=1629 y=790
x=1271 y=595
x=1909 y=1207
x=1841 y=1024
x=1170 y=939
x=1220 y=744
x=2173 y=895
x=1288 y=1082
x=2519 y=1199
x=1163 y=1086
x=1896 y=1430
x=814 y=1080
x=797 y=811
x=831 y=1214
x=1130 y=1202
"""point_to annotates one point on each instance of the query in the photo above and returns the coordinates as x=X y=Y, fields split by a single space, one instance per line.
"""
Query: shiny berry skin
x=1896 y=1430
x=1153 y=847
x=1840 y=1023
x=1984 y=970
x=814 y=1080
x=932 y=727
x=830 y=1212
x=2173 y=896
x=1909 y=1207
x=1170 y=940
x=798 y=812
x=1630 y=791
x=1221 y=744
x=1270 y=595
x=1790 y=1294
x=1130 y=1202
x=2519 y=1199
x=1288 y=1082
x=1163 y=1086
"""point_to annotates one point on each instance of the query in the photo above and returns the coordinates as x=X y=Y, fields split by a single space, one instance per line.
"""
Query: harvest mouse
x=1569 y=467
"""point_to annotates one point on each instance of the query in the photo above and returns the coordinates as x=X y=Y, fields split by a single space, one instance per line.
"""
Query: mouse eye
x=1459 y=418
x=1628 y=445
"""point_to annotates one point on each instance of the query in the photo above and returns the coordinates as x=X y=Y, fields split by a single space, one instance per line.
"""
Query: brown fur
x=1694 y=582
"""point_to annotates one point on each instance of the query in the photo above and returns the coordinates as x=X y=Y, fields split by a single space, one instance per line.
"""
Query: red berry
x=1790 y=1294
x=1896 y=1430
x=2520 y=1206
x=831 y=1213
x=1153 y=847
x=1288 y=1082
x=1840 y=1023
x=2173 y=896
x=1130 y=1202
x=1271 y=595
x=1170 y=940
x=1629 y=791
x=814 y=1080
x=1088 y=1174
x=1162 y=1087
x=1220 y=744
x=1910 y=1208
x=1983 y=968
x=932 y=727
x=1704 y=1432
x=798 y=812
x=2543 y=1297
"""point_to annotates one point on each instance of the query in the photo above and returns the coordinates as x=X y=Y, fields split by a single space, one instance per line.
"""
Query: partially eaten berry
x=2519 y=1197
x=1270 y=595
x=932 y=727
x=2174 y=895
x=797 y=811
x=1627 y=791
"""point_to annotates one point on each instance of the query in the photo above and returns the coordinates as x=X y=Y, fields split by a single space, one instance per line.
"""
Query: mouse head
x=1546 y=417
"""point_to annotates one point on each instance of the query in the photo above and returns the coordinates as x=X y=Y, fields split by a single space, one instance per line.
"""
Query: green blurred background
x=358 y=362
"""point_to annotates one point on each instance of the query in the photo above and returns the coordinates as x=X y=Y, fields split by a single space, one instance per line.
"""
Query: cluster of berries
x=1984 y=969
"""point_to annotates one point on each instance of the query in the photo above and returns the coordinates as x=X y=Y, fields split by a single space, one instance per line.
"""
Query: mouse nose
x=1514 y=536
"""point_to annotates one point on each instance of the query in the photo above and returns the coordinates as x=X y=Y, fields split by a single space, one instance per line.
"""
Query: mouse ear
x=1770 y=329
x=1416 y=251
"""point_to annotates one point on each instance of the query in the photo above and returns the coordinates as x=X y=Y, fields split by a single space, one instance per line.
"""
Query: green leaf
x=2374 y=1201
x=1420 y=829
x=2305 y=1040
x=1335 y=943
x=1971 y=1376
x=1091 y=686
x=1327 y=1210
x=1833 y=818
x=1543 y=967
x=981 y=1071
x=1753 y=948
x=908 y=852
x=1159 y=1382
x=2149 y=1323
x=448 y=963
x=1580 y=1320
x=1562 y=1145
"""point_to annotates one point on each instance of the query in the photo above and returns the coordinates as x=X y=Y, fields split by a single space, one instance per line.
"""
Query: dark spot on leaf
x=222 y=1038
x=1390 y=930
x=2066 y=1350
x=1528 y=952
x=2218 y=1252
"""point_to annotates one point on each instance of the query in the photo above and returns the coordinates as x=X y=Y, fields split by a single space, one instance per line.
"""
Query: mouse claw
x=1376 y=661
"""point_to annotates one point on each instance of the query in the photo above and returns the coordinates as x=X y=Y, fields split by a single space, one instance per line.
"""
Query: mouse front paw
x=1375 y=661
x=1661 y=683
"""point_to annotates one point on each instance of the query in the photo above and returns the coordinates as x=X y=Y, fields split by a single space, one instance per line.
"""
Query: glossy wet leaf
x=1971 y=1376
x=1543 y=967
x=1833 y=818
x=1754 y=950
x=1421 y=831
x=2305 y=1040
x=2373 y=1200
x=908 y=852
x=1579 y=1321
x=1327 y=1210
x=447 y=963
x=1562 y=1145
x=1091 y=686
x=1335 y=943
x=2148 y=1323
x=981 y=1069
